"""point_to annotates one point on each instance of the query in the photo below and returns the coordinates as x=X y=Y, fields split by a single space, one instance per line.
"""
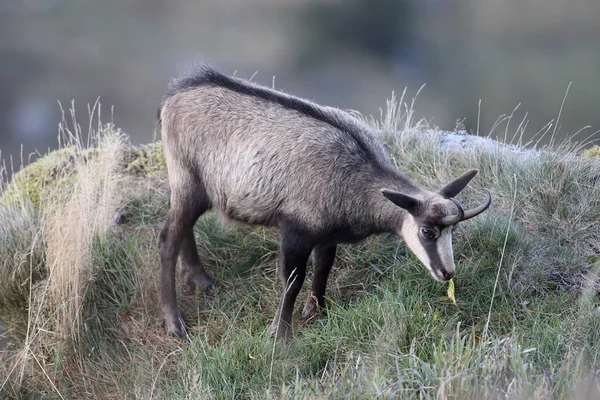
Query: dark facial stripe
x=430 y=246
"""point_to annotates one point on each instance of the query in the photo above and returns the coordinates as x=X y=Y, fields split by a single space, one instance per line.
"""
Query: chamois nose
x=447 y=275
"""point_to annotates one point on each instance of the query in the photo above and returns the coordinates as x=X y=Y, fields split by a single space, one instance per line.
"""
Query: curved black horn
x=478 y=210
x=453 y=219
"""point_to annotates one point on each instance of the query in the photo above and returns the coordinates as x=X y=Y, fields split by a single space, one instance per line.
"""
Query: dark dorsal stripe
x=205 y=75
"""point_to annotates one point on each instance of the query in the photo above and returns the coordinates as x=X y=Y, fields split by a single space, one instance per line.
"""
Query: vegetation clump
x=592 y=152
x=42 y=176
x=148 y=159
x=56 y=171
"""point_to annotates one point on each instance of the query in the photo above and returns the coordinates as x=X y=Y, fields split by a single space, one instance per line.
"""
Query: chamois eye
x=427 y=233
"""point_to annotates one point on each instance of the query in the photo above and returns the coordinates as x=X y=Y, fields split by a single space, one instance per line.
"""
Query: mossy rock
x=148 y=159
x=57 y=169
x=592 y=152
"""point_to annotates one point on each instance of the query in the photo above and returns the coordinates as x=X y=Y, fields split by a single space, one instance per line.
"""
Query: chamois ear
x=402 y=200
x=457 y=185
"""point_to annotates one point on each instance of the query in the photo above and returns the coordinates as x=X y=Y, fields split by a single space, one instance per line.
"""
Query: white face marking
x=444 y=249
x=410 y=233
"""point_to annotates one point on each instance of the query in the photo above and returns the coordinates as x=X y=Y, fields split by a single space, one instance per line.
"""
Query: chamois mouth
x=441 y=275
x=436 y=275
x=446 y=276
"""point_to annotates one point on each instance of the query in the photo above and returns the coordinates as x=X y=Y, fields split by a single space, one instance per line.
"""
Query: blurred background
x=351 y=54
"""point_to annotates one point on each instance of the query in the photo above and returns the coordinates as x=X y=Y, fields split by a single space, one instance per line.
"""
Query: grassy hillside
x=79 y=277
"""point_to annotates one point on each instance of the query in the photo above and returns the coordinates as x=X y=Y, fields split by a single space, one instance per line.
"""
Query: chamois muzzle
x=465 y=215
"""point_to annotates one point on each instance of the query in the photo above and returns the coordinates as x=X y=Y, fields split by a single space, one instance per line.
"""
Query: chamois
x=315 y=173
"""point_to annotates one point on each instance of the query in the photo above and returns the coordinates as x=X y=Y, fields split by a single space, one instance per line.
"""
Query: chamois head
x=430 y=221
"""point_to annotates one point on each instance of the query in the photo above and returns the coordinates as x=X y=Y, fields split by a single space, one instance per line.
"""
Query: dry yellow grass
x=71 y=220
x=70 y=224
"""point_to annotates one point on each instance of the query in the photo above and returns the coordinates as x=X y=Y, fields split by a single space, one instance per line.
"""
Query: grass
x=79 y=292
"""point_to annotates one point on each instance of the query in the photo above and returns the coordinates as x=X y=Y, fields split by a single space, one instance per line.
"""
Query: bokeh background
x=347 y=53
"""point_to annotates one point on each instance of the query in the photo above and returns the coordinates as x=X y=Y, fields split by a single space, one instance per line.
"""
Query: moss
x=57 y=169
x=148 y=159
x=592 y=152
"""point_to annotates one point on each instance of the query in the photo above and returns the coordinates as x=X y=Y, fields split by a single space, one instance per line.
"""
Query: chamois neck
x=388 y=217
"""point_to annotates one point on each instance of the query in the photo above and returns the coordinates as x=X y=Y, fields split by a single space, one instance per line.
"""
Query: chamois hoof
x=311 y=308
x=174 y=323
x=282 y=332
x=199 y=282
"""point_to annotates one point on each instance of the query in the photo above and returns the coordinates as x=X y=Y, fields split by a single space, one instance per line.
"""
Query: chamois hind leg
x=194 y=275
x=323 y=257
x=187 y=204
x=294 y=252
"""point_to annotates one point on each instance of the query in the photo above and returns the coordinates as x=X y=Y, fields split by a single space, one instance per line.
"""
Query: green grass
x=388 y=331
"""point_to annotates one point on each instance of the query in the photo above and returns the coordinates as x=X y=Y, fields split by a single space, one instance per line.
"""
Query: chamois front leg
x=188 y=202
x=323 y=257
x=294 y=252
x=169 y=245
x=194 y=275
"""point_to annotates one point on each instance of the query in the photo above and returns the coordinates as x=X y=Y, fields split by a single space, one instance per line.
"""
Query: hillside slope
x=79 y=267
